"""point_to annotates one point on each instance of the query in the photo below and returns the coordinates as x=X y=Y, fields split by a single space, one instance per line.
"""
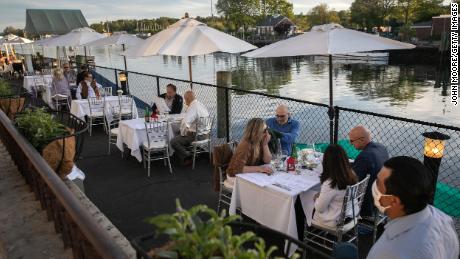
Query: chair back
x=352 y=201
x=112 y=116
x=96 y=105
x=223 y=159
x=157 y=131
x=126 y=104
x=203 y=127
x=39 y=81
x=107 y=91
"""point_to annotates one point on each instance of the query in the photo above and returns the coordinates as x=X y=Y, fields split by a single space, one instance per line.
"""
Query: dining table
x=132 y=133
x=270 y=199
x=80 y=108
x=30 y=83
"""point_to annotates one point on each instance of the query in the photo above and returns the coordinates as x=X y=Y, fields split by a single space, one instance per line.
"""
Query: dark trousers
x=300 y=218
x=180 y=143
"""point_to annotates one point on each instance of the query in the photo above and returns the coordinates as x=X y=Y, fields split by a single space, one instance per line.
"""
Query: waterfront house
x=432 y=30
x=276 y=25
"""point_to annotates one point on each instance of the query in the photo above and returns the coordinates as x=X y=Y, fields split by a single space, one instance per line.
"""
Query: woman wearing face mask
x=336 y=176
x=88 y=87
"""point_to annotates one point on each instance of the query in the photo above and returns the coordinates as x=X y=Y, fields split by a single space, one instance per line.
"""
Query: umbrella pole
x=331 y=103
x=126 y=68
x=86 y=58
x=190 y=71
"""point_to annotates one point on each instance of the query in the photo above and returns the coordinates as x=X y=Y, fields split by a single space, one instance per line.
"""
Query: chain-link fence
x=400 y=136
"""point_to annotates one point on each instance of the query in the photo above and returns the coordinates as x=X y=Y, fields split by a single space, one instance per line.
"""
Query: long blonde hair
x=58 y=73
x=254 y=135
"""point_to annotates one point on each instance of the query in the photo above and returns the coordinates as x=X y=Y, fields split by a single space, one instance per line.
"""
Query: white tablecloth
x=46 y=80
x=273 y=206
x=132 y=133
x=80 y=108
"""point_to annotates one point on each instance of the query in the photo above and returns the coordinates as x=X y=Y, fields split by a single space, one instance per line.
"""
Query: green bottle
x=294 y=152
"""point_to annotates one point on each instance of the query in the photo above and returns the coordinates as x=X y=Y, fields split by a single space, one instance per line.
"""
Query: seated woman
x=59 y=85
x=252 y=152
x=88 y=87
x=336 y=176
x=172 y=99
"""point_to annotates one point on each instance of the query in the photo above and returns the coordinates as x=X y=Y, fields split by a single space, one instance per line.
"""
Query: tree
x=425 y=9
x=321 y=14
x=276 y=7
x=12 y=30
x=239 y=12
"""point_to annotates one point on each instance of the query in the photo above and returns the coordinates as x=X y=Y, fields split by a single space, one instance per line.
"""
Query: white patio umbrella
x=328 y=39
x=188 y=37
x=118 y=38
x=75 y=38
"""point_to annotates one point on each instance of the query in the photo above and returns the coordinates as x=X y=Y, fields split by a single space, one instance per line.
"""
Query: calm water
x=408 y=91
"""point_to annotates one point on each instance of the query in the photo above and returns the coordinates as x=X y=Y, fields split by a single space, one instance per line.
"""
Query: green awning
x=53 y=21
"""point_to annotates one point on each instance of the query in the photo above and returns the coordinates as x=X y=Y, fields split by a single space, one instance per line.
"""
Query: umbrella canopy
x=76 y=37
x=328 y=39
x=117 y=38
x=13 y=39
x=188 y=37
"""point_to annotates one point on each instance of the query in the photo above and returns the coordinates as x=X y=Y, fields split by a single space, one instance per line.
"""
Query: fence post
x=116 y=79
x=336 y=124
x=224 y=79
x=158 y=86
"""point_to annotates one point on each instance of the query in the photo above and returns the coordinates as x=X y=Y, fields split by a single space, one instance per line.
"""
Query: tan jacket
x=243 y=157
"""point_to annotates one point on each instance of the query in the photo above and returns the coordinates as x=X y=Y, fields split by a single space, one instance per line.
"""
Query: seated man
x=193 y=113
x=368 y=162
x=69 y=73
x=288 y=127
x=416 y=230
x=172 y=99
x=88 y=87
x=80 y=75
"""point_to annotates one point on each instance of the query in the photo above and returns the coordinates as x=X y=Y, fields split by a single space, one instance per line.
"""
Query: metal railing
x=78 y=228
x=401 y=136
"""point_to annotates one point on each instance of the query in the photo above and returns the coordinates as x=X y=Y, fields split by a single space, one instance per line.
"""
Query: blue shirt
x=427 y=234
x=369 y=161
x=290 y=131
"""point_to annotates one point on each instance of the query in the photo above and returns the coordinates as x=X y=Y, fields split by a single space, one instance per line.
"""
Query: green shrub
x=5 y=88
x=39 y=127
x=192 y=237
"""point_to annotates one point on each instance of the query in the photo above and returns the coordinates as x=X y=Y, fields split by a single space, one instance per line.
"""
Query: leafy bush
x=191 y=237
x=39 y=127
x=5 y=88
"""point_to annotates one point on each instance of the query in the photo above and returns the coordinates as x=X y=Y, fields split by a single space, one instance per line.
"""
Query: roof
x=273 y=20
x=425 y=24
x=53 y=21
x=442 y=16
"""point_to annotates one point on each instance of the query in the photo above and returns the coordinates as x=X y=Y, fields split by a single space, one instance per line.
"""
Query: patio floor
x=124 y=193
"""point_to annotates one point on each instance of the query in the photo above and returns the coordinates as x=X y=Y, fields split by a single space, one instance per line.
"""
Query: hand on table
x=265 y=169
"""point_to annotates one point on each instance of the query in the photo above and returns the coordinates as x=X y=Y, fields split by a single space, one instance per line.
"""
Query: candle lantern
x=123 y=78
x=433 y=151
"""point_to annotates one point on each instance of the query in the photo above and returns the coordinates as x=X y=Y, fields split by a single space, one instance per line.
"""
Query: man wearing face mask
x=416 y=230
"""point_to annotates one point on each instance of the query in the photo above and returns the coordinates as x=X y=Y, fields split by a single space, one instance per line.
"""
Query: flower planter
x=11 y=105
x=61 y=151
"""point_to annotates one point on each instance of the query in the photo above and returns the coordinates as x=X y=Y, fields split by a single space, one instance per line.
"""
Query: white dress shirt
x=91 y=92
x=329 y=205
x=193 y=112
x=427 y=234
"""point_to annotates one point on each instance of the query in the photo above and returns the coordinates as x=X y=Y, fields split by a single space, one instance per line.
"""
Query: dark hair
x=172 y=86
x=337 y=168
x=86 y=74
x=410 y=181
x=83 y=67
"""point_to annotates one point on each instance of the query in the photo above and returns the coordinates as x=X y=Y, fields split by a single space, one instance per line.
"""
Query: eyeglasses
x=280 y=116
x=351 y=141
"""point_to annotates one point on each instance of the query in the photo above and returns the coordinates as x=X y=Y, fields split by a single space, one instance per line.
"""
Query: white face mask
x=377 y=195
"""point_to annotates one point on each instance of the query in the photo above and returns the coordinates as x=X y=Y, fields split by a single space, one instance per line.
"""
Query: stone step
x=25 y=231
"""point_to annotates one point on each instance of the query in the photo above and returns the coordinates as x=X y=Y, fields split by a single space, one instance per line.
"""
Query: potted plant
x=55 y=141
x=201 y=233
x=10 y=102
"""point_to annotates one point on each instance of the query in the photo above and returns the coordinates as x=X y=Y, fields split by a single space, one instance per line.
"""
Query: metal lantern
x=433 y=152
